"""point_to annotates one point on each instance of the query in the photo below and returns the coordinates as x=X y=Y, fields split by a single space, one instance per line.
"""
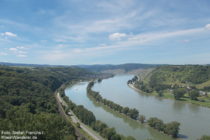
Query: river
x=195 y=120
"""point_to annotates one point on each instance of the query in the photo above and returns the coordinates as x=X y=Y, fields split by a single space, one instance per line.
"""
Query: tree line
x=88 y=118
x=205 y=137
x=171 y=128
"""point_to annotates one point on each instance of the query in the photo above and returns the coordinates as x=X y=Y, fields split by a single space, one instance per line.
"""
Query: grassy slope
x=182 y=76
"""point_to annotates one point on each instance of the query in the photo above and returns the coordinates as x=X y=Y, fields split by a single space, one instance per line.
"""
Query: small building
x=202 y=93
x=69 y=113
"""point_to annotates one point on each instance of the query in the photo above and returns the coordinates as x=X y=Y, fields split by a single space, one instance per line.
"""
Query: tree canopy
x=28 y=103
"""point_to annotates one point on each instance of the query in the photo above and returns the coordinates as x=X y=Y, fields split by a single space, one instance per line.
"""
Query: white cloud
x=104 y=25
x=130 y=41
x=19 y=51
x=3 y=54
x=21 y=55
x=21 y=47
x=140 y=39
x=8 y=34
x=66 y=38
x=115 y=5
x=117 y=36
x=185 y=41
x=45 y=12
x=84 y=30
x=56 y=55
x=13 y=49
x=21 y=26
x=207 y=26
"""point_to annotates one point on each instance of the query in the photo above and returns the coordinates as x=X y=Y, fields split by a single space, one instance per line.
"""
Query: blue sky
x=70 y=32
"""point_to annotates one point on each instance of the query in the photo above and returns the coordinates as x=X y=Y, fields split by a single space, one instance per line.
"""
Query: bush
x=179 y=93
x=193 y=94
x=205 y=137
x=172 y=129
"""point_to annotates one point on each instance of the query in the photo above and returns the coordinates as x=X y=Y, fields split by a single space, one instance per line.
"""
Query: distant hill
x=106 y=68
x=121 y=67
x=197 y=76
x=27 y=65
x=189 y=83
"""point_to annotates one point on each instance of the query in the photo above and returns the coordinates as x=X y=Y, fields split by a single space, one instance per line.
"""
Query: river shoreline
x=203 y=104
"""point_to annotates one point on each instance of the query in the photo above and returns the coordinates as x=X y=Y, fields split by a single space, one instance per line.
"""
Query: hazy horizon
x=95 y=64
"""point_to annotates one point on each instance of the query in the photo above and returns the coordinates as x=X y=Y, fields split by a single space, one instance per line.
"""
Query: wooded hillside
x=27 y=102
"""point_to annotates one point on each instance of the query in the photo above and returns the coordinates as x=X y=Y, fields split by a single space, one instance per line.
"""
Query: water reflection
x=178 y=106
x=193 y=108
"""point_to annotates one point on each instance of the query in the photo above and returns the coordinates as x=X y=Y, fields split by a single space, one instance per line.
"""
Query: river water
x=195 y=120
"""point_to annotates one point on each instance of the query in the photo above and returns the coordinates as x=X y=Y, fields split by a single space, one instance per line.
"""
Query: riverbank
x=168 y=95
x=75 y=121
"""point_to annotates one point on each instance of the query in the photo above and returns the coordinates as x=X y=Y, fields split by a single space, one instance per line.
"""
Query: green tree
x=133 y=113
x=160 y=93
x=172 y=129
x=125 y=110
x=99 y=126
x=193 y=94
x=205 y=137
x=129 y=138
x=78 y=125
x=108 y=133
x=142 y=118
x=156 y=123
x=116 y=137
x=179 y=93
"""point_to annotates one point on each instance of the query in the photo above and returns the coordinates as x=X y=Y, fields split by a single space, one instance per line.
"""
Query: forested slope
x=185 y=82
x=27 y=102
x=125 y=67
x=184 y=75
